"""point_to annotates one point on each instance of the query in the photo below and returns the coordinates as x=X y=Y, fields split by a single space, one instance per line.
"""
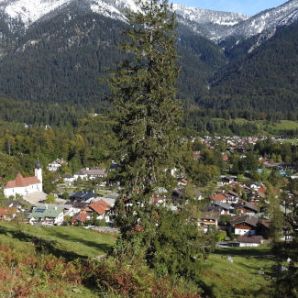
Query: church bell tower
x=38 y=171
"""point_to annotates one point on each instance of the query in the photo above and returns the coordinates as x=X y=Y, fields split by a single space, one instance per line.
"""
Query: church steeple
x=38 y=171
x=37 y=165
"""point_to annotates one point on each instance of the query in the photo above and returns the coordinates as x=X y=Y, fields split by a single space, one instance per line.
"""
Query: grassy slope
x=223 y=279
x=75 y=240
x=27 y=250
x=242 y=278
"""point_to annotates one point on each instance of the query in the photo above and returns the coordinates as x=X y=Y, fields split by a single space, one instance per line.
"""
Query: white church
x=24 y=186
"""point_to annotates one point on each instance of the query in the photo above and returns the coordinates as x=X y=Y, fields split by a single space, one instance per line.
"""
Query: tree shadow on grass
x=45 y=247
x=102 y=247
x=245 y=252
x=252 y=292
x=50 y=246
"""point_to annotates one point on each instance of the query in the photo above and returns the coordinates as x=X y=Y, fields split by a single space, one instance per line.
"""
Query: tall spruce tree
x=147 y=116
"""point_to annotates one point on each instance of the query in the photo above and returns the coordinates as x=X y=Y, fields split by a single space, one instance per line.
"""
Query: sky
x=248 y=7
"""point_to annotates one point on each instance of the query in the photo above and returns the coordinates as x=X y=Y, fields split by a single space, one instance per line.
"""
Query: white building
x=250 y=241
x=90 y=174
x=24 y=185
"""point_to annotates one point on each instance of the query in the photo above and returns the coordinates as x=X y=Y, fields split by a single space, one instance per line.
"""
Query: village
x=235 y=210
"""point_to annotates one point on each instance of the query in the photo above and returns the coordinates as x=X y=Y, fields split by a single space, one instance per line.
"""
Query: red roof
x=218 y=197
x=225 y=157
x=21 y=181
x=100 y=206
x=7 y=211
x=262 y=189
x=80 y=217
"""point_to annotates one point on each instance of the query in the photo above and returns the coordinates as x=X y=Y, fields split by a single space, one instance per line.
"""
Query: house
x=244 y=225
x=246 y=208
x=264 y=227
x=47 y=215
x=24 y=185
x=219 y=197
x=262 y=191
x=82 y=196
x=225 y=157
x=81 y=217
x=232 y=197
x=159 y=196
x=250 y=241
x=69 y=179
x=8 y=213
x=70 y=211
x=196 y=155
x=228 y=179
x=100 y=208
x=90 y=174
x=55 y=165
x=294 y=176
x=224 y=208
x=110 y=200
x=209 y=220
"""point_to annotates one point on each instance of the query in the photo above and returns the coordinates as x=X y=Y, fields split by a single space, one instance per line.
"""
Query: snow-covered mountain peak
x=215 y=25
x=268 y=20
x=203 y=16
x=114 y=8
x=29 y=11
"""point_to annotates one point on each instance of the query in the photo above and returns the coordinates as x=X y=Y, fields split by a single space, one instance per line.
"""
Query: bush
x=136 y=280
x=50 y=199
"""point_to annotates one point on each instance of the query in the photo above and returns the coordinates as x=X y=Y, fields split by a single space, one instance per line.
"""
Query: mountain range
x=59 y=50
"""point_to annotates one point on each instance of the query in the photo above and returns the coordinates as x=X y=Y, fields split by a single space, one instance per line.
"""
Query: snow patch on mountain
x=215 y=25
x=209 y=23
x=106 y=10
x=203 y=16
x=267 y=21
x=29 y=11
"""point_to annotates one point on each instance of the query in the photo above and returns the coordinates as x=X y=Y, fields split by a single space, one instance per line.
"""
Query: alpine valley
x=231 y=64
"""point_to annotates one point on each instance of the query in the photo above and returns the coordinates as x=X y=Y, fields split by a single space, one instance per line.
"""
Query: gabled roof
x=21 y=181
x=251 y=207
x=46 y=211
x=83 y=195
x=92 y=172
x=232 y=193
x=265 y=223
x=210 y=215
x=250 y=239
x=80 y=217
x=246 y=219
x=247 y=205
x=218 y=197
x=7 y=211
x=224 y=206
x=100 y=207
x=262 y=190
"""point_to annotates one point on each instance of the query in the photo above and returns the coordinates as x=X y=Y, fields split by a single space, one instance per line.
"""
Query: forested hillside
x=262 y=84
x=71 y=65
x=236 y=76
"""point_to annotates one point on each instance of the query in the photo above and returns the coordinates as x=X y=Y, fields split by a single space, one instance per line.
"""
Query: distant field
x=271 y=126
x=264 y=127
x=285 y=125
x=75 y=240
